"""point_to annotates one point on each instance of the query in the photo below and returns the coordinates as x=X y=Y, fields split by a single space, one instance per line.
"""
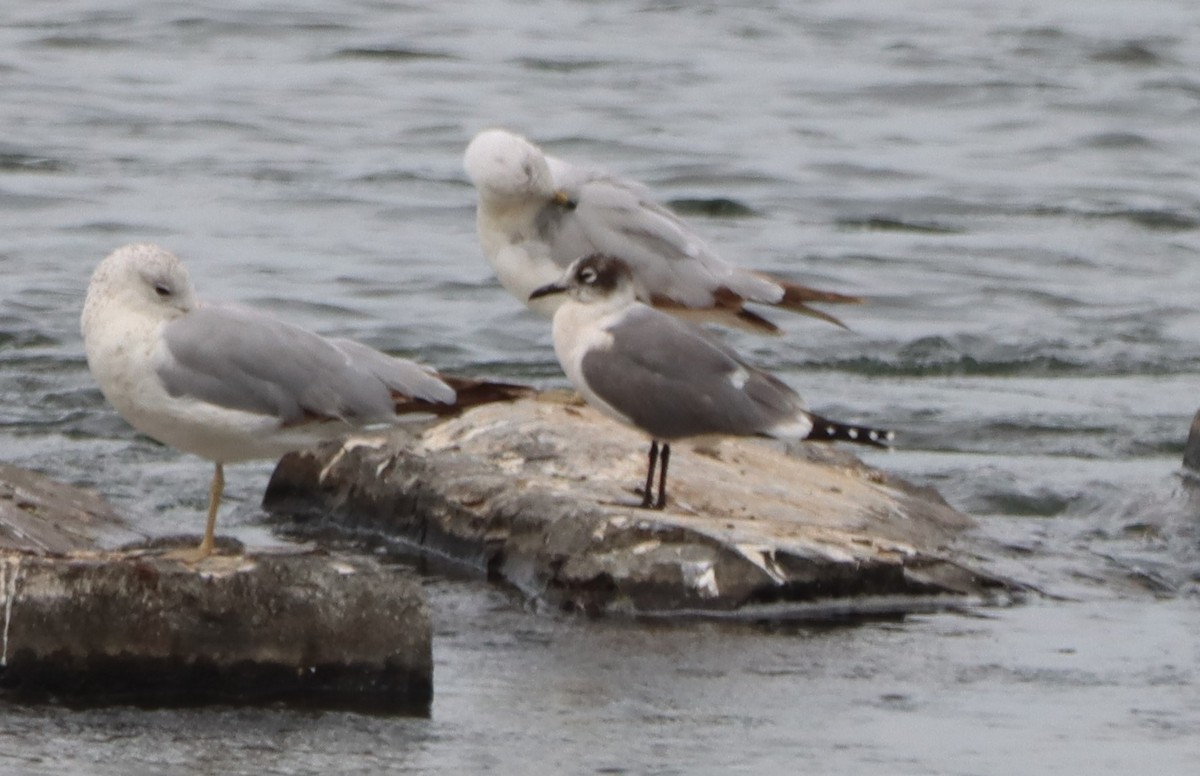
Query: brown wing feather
x=728 y=310
x=729 y=307
x=794 y=293
x=796 y=297
x=469 y=392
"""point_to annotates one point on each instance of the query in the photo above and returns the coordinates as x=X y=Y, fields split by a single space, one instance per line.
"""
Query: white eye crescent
x=587 y=275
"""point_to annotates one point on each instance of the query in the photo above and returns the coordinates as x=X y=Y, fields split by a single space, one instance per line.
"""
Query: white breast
x=525 y=267
x=521 y=261
x=578 y=330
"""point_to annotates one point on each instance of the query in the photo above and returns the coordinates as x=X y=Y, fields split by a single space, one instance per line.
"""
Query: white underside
x=521 y=270
x=578 y=329
x=798 y=427
x=522 y=263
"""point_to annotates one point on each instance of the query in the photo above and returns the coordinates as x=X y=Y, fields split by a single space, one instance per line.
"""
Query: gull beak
x=547 y=290
x=562 y=199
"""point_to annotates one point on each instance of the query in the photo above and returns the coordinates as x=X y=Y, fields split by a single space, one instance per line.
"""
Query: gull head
x=595 y=278
x=140 y=279
x=506 y=168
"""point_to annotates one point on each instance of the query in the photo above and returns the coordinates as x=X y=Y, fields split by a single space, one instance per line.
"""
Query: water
x=1012 y=185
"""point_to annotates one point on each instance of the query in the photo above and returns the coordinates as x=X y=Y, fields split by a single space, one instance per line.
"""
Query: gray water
x=1012 y=184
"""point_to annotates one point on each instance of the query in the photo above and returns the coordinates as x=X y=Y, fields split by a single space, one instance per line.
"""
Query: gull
x=537 y=214
x=229 y=384
x=669 y=378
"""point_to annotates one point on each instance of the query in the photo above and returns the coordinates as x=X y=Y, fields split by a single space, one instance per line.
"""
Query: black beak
x=547 y=290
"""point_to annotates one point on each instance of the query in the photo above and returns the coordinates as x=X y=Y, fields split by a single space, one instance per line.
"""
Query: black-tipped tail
x=825 y=430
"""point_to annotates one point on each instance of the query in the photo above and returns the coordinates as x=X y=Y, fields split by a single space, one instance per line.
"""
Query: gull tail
x=825 y=430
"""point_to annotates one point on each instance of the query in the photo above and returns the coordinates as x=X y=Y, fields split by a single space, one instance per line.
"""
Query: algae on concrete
x=86 y=626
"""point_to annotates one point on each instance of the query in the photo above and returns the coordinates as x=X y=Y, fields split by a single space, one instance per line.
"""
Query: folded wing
x=241 y=359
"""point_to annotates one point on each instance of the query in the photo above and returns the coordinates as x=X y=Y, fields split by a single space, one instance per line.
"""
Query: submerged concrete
x=85 y=626
x=540 y=493
x=131 y=628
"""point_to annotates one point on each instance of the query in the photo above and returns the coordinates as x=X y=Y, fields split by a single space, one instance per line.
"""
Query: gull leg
x=662 y=476
x=207 y=544
x=649 y=492
x=215 y=491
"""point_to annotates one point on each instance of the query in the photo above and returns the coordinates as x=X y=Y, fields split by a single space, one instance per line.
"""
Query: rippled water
x=1013 y=186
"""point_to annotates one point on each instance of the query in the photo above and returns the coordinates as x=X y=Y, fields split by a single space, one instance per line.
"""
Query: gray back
x=673 y=380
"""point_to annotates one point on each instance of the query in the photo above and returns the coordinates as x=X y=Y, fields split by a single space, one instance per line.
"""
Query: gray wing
x=673 y=380
x=402 y=376
x=241 y=359
x=617 y=216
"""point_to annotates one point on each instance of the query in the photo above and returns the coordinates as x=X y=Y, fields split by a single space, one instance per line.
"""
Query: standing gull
x=537 y=214
x=231 y=384
x=666 y=377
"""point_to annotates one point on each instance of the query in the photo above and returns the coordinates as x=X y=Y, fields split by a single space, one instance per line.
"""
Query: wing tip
x=825 y=430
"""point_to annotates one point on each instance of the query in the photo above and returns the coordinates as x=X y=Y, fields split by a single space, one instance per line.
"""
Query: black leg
x=662 y=476
x=649 y=493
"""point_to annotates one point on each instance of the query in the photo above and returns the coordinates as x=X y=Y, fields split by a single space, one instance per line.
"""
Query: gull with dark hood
x=669 y=378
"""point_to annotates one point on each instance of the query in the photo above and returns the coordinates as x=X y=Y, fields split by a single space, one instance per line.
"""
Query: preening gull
x=669 y=378
x=228 y=383
x=537 y=214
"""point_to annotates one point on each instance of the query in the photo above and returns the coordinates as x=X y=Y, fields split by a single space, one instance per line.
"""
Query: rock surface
x=540 y=494
x=85 y=627
x=38 y=514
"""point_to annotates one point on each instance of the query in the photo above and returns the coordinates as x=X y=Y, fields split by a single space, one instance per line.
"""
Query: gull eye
x=587 y=275
x=162 y=289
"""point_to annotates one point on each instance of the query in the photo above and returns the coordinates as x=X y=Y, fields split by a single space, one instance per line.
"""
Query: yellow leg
x=207 y=544
x=214 y=503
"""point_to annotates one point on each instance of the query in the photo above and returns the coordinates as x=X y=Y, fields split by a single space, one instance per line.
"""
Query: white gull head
x=142 y=280
x=507 y=169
